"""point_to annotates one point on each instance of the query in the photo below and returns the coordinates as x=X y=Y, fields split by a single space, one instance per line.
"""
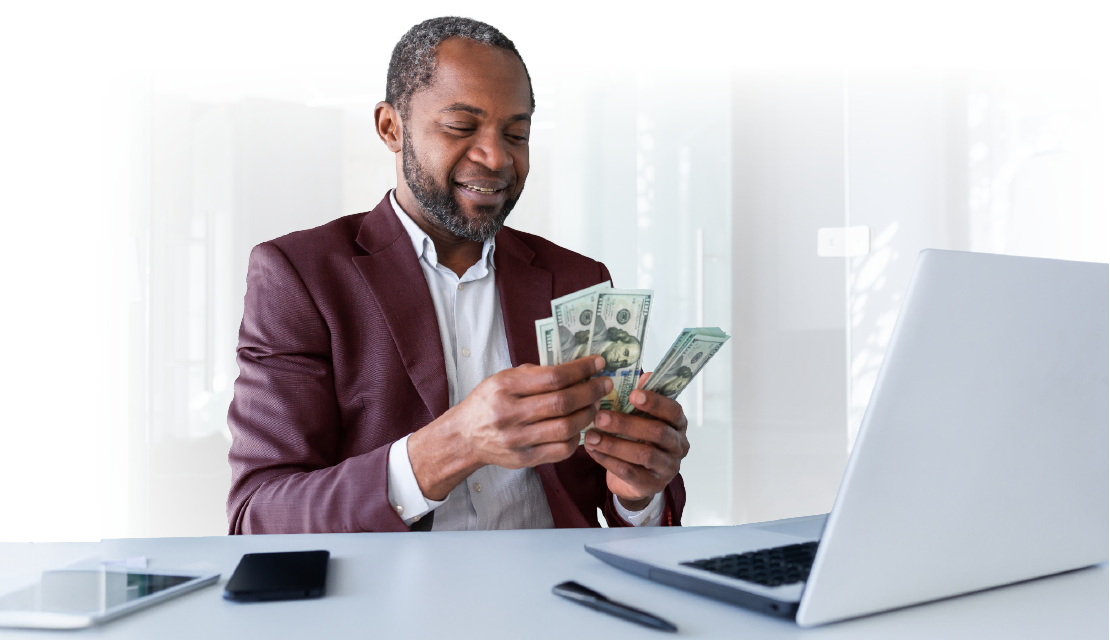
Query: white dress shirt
x=472 y=330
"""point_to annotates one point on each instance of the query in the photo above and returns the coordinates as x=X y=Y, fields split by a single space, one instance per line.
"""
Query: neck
x=455 y=253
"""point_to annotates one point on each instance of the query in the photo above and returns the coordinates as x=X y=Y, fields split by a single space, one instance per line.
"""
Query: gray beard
x=441 y=203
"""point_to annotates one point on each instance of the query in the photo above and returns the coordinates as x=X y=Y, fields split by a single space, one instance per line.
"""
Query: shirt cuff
x=649 y=516
x=404 y=492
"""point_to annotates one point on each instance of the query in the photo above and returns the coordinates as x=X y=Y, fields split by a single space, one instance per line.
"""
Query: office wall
x=900 y=189
x=289 y=167
x=798 y=297
x=114 y=244
x=368 y=169
x=788 y=387
x=288 y=175
x=809 y=118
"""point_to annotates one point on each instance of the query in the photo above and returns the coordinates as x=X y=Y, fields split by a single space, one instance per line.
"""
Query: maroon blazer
x=339 y=356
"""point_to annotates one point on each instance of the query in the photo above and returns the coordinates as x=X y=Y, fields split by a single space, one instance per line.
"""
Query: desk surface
x=498 y=585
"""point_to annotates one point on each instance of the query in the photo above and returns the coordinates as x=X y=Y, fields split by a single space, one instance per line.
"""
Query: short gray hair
x=414 y=57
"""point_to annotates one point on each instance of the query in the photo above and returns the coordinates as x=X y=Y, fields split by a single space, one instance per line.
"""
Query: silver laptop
x=981 y=459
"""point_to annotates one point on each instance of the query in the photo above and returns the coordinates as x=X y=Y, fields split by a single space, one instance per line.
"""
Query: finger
x=548 y=452
x=660 y=406
x=642 y=428
x=528 y=381
x=640 y=454
x=553 y=430
x=564 y=401
x=643 y=378
x=633 y=482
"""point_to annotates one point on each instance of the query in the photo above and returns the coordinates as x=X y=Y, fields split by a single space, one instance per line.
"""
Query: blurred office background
x=696 y=159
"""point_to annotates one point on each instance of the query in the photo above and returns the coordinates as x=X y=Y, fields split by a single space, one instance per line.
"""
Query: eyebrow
x=466 y=108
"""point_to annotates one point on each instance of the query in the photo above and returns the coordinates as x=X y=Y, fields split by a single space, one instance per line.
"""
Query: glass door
x=685 y=223
x=193 y=342
x=788 y=387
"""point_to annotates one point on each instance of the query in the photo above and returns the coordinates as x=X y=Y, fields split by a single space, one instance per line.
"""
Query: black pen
x=594 y=600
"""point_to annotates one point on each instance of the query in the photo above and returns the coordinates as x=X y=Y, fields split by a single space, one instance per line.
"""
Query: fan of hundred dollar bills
x=612 y=323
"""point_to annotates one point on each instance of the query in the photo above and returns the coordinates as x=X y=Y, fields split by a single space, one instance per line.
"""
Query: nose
x=490 y=150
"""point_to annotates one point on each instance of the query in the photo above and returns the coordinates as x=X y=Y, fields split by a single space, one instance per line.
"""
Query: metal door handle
x=699 y=291
x=209 y=300
x=699 y=258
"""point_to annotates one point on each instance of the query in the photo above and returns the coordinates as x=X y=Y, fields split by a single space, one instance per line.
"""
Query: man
x=387 y=377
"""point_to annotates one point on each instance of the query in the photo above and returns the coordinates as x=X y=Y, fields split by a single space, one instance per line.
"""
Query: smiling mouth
x=482 y=190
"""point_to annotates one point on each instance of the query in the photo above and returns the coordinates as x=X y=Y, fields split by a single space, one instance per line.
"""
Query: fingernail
x=592 y=438
x=637 y=397
x=608 y=384
x=602 y=420
x=599 y=363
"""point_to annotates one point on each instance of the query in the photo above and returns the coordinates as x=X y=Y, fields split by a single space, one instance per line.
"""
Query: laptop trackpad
x=808 y=527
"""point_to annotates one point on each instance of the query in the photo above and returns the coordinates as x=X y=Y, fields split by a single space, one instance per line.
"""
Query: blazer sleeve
x=674 y=494
x=285 y=420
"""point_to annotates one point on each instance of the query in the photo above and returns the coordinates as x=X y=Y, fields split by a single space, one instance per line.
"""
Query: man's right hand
x=520 y=417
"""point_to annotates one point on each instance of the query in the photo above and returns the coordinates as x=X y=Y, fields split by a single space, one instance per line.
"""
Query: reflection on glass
x=868 y=301
x=1012 y=115
x=91 y=591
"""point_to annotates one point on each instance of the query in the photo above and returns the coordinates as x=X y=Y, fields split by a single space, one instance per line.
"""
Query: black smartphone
x=290 y=575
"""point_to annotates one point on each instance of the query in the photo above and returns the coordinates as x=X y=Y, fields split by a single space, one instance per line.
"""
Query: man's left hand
x=639 y=468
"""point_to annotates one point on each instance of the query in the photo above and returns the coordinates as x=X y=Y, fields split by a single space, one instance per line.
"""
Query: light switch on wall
x=843 y=242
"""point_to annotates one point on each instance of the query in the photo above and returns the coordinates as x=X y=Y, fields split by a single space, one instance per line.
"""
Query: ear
x=388 y=123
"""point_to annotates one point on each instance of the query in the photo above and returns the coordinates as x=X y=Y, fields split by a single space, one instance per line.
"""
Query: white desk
x=498 y=585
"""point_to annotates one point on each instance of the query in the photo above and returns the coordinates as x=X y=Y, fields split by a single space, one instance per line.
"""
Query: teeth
x=480 y=189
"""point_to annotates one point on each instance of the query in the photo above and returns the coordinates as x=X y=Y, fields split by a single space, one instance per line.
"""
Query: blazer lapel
x=525 y=293
x=392 y=271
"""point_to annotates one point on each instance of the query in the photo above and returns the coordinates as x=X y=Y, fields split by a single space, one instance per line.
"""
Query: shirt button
x=399 y=509
x=477 y=487
x=466 y=352
x=460 y=286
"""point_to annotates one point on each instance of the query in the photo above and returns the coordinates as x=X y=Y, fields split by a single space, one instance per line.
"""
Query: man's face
x=465 y=138
x=620 y=354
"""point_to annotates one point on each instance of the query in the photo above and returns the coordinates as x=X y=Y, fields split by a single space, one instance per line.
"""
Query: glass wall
x=708 y=187
x=643 y=178
x=1007 y=162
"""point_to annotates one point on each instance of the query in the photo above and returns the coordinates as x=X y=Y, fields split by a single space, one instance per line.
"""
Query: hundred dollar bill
x=684 y=337
x=574 y=320
x=619 y=326
x=545 y=340
x=692 y=350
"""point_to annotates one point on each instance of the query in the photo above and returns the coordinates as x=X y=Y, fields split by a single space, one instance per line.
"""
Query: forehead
x=487 y=77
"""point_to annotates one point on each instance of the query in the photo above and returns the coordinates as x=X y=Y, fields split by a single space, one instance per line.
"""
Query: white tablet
x=75 y=598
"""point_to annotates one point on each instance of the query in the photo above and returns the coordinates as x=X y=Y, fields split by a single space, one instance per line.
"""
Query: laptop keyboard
x=768 y=567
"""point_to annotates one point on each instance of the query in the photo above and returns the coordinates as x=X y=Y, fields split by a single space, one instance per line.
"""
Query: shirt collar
x=423 y=244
